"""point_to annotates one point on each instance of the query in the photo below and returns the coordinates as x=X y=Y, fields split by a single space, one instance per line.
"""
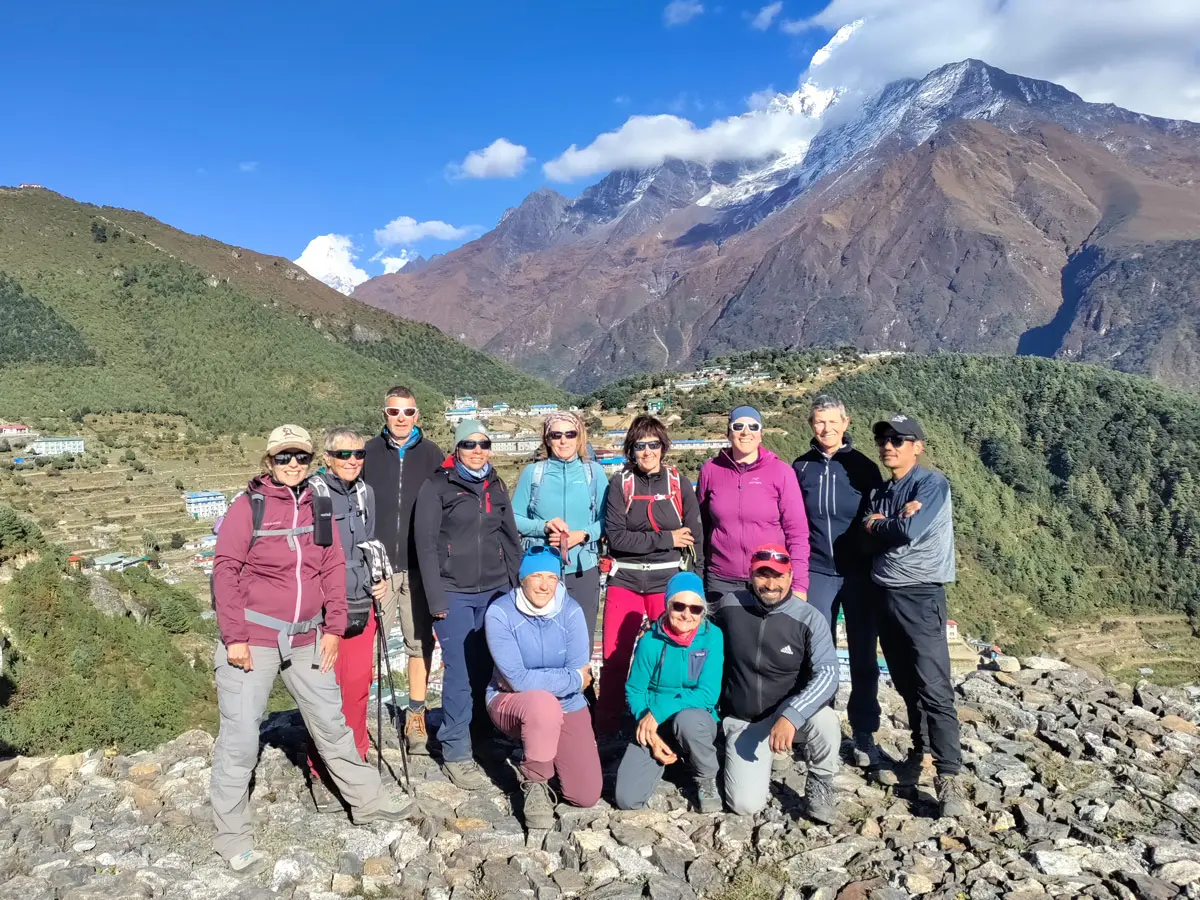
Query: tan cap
x=289 y=437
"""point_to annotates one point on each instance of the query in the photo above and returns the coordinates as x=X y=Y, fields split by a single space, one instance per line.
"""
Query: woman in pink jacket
x=279 y=592
x=749 y=497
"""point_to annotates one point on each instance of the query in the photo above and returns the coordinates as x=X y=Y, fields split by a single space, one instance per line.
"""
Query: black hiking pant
x=912 y=633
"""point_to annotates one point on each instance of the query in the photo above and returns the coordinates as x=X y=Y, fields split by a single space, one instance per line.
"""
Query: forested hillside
x=1075 y=487
x=105 y=310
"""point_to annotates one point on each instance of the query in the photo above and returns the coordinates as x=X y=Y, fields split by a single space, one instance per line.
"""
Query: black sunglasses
x=300 y=456
x=407 y=411
x=678 y=607
x=771 y=555
x=347 y=454
x=647 y=445
x=896 y=440
x=559 y=435
x=748 y=426
x=485 y=444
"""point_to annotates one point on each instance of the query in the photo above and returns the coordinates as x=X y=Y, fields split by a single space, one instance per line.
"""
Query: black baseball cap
x=903 y=425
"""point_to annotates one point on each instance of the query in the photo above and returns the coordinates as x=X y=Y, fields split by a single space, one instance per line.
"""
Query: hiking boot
x=416 y=738
x=466 y=774
x=917 y=768
x=539 y=805
x=323 y=799
x=867 y=756
x=708 y=800
x=389 y=812
x=250 y=862
x=820 y=800
x=952 y=796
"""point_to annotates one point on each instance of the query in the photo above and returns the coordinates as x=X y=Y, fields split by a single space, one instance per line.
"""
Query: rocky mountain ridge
x=1082 y=787
x=943 y=213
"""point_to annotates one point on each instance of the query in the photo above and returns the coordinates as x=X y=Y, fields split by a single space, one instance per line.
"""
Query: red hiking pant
x=356 y=656
x=623 y=613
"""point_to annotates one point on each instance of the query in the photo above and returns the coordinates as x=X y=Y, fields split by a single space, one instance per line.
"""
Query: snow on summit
x=331 y=258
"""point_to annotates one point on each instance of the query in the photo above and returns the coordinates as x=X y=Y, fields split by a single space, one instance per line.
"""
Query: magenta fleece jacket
x=746 y=506
x=271 y=577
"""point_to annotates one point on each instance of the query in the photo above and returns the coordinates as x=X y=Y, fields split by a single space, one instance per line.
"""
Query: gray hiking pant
x=692 y=733
x=242 y=701
x=748 y=756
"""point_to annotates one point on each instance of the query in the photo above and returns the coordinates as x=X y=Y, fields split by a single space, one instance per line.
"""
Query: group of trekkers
x=720 y=610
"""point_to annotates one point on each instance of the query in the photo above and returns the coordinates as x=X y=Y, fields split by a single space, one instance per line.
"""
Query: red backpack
x=673 y=494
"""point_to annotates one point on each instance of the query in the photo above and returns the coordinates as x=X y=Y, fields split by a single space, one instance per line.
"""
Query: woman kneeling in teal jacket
x=674 y=683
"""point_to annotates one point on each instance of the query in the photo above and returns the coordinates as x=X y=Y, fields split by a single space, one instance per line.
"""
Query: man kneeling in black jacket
x=781 y=670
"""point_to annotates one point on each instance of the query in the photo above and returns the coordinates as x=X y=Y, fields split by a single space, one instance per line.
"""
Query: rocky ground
x=1083 y=788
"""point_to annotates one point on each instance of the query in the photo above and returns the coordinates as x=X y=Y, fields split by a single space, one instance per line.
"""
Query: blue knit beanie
x=745 y=412
x=685 y=582
x=540 y=559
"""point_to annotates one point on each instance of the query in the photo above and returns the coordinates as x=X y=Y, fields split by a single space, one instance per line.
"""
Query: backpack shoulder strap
x=258 y=509
x=360 y=496
x=539 y=472
x=674 y=491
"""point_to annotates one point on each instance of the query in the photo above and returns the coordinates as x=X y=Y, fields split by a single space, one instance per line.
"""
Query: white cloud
x=407 y=230
x=250 y=166
x=500 y=159
x=330 y=258
x=620 y=100
x=650 y=140
x=764 y=17
x=1141 y=56
x=679 y=12
x=643 y=141
x=794 y=26
x=393 y=264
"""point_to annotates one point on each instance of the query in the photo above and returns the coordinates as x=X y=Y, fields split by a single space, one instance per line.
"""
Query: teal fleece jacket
x=666 y=677
x=563 y=493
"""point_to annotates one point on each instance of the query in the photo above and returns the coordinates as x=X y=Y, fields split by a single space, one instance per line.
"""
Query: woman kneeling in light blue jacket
x=561 y=499
x=539 y=644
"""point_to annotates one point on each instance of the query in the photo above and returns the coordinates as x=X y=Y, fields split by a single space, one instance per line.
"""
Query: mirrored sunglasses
x=647 y=445
x=284 y=458
x=348 y=454
x=485 y=444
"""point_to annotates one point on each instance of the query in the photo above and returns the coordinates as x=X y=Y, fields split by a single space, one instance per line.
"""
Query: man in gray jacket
x=911 y=526
x=353 y=504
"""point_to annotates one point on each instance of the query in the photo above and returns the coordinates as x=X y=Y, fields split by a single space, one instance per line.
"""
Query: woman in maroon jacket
x=279 y=591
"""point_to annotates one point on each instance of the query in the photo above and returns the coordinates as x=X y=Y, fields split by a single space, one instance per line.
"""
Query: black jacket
x=837 y=491
x=633 y=539
x=465 y=535
x=396 y=484
x=779 y=660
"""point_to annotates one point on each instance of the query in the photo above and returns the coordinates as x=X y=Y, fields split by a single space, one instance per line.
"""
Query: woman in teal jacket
x=674 y=682
x=559 y=501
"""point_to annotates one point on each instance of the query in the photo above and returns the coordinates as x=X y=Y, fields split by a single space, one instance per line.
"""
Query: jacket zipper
x=758 y=665
x=399 y=500
x=828 y=517
x=299 y=554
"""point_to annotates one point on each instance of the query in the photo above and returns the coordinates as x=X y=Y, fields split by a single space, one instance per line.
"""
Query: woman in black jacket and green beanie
x=468 y=550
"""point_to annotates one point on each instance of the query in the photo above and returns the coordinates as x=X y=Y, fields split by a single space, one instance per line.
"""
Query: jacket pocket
x=696 y=660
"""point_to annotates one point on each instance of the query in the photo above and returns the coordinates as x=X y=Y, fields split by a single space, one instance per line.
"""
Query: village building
x=116 y=562
x=57 y=446
x=205 y=504
x=14 y=429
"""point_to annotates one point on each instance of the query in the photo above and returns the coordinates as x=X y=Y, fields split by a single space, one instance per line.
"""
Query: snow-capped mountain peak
x=330 y=258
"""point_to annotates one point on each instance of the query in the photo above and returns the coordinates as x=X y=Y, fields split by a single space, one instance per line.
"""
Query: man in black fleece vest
x=398 y=462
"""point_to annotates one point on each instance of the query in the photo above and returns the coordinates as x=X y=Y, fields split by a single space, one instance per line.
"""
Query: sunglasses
x=895 y=440
x=348 y=454
x=539 y=549
x=771 y=556
x=485 y=444
x=559 y=435
x=687 y=607
x=284 y=458
x=408 y=411
x=647 y=445
x=745 y=426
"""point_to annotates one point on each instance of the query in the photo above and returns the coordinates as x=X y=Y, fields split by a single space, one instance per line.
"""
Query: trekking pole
x=387 y=662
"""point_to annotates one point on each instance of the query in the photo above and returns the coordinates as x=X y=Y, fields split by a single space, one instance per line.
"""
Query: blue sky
x=267 y=124
x=264 y=129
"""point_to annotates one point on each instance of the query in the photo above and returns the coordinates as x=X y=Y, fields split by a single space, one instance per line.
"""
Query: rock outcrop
x=1081 y=788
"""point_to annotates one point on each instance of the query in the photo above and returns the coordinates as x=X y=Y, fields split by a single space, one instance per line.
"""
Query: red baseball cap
x=773 y=557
